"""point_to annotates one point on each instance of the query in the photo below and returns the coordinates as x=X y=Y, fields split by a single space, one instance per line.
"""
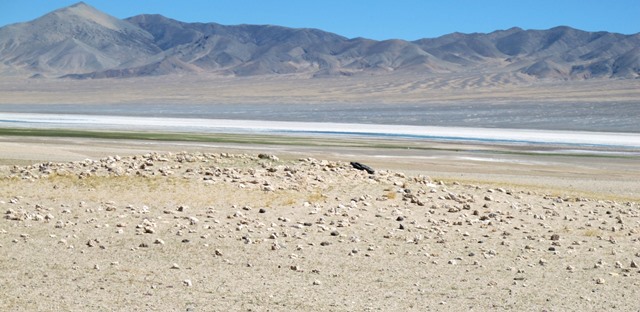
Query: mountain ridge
x=82 y=42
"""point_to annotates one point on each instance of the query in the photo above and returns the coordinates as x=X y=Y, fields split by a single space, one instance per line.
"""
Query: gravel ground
x=247 y=232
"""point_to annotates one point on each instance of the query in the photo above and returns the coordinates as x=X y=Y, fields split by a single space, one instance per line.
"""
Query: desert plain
x=141 y=168
x=275 y=223
x=126 y=225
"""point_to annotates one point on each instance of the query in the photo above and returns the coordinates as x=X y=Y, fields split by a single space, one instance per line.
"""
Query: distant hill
x=81 y=42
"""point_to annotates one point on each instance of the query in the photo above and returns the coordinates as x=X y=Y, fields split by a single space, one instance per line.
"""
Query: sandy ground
x=293 y=89
x=447 y=229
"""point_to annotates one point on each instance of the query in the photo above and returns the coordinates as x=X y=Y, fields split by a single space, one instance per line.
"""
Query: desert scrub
x=316 y=197
x=592 y=233
x=391 y=195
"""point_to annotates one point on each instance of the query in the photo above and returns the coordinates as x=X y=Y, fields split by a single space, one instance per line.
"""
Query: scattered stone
x=275 y=246
x=320 y=199
x=268 y=157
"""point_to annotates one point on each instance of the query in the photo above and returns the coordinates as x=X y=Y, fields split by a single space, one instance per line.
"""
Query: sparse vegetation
x=391 y=195
x=316 y=197
x=592 y=233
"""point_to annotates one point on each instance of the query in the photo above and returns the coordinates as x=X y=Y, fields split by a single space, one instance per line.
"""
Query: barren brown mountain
x=82 y=42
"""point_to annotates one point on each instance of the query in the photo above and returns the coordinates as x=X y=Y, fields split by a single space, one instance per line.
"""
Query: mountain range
x=80 y=42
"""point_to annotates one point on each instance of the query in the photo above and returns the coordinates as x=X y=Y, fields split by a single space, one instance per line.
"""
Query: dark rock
x=360 y=166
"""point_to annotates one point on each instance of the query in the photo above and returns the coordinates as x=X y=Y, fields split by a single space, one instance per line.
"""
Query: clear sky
x=375 y=19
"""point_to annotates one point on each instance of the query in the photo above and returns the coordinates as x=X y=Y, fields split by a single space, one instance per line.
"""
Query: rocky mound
x=195 y=231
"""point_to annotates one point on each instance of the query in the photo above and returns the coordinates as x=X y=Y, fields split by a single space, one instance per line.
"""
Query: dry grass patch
x=316 y=197
x=592 y=233
x=391 y=195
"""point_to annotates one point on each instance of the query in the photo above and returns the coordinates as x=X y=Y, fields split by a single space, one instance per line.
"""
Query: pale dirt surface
x=172 y=231
x=296 y=89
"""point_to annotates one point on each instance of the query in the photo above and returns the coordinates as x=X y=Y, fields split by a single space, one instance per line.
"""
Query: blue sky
x=381 y=19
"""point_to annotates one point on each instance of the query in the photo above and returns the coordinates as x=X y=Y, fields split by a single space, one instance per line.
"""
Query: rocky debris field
x=223 y=232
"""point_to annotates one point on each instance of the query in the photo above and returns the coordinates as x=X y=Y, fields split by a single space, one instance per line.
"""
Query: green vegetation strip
x=190 y=137
x=288 y=140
